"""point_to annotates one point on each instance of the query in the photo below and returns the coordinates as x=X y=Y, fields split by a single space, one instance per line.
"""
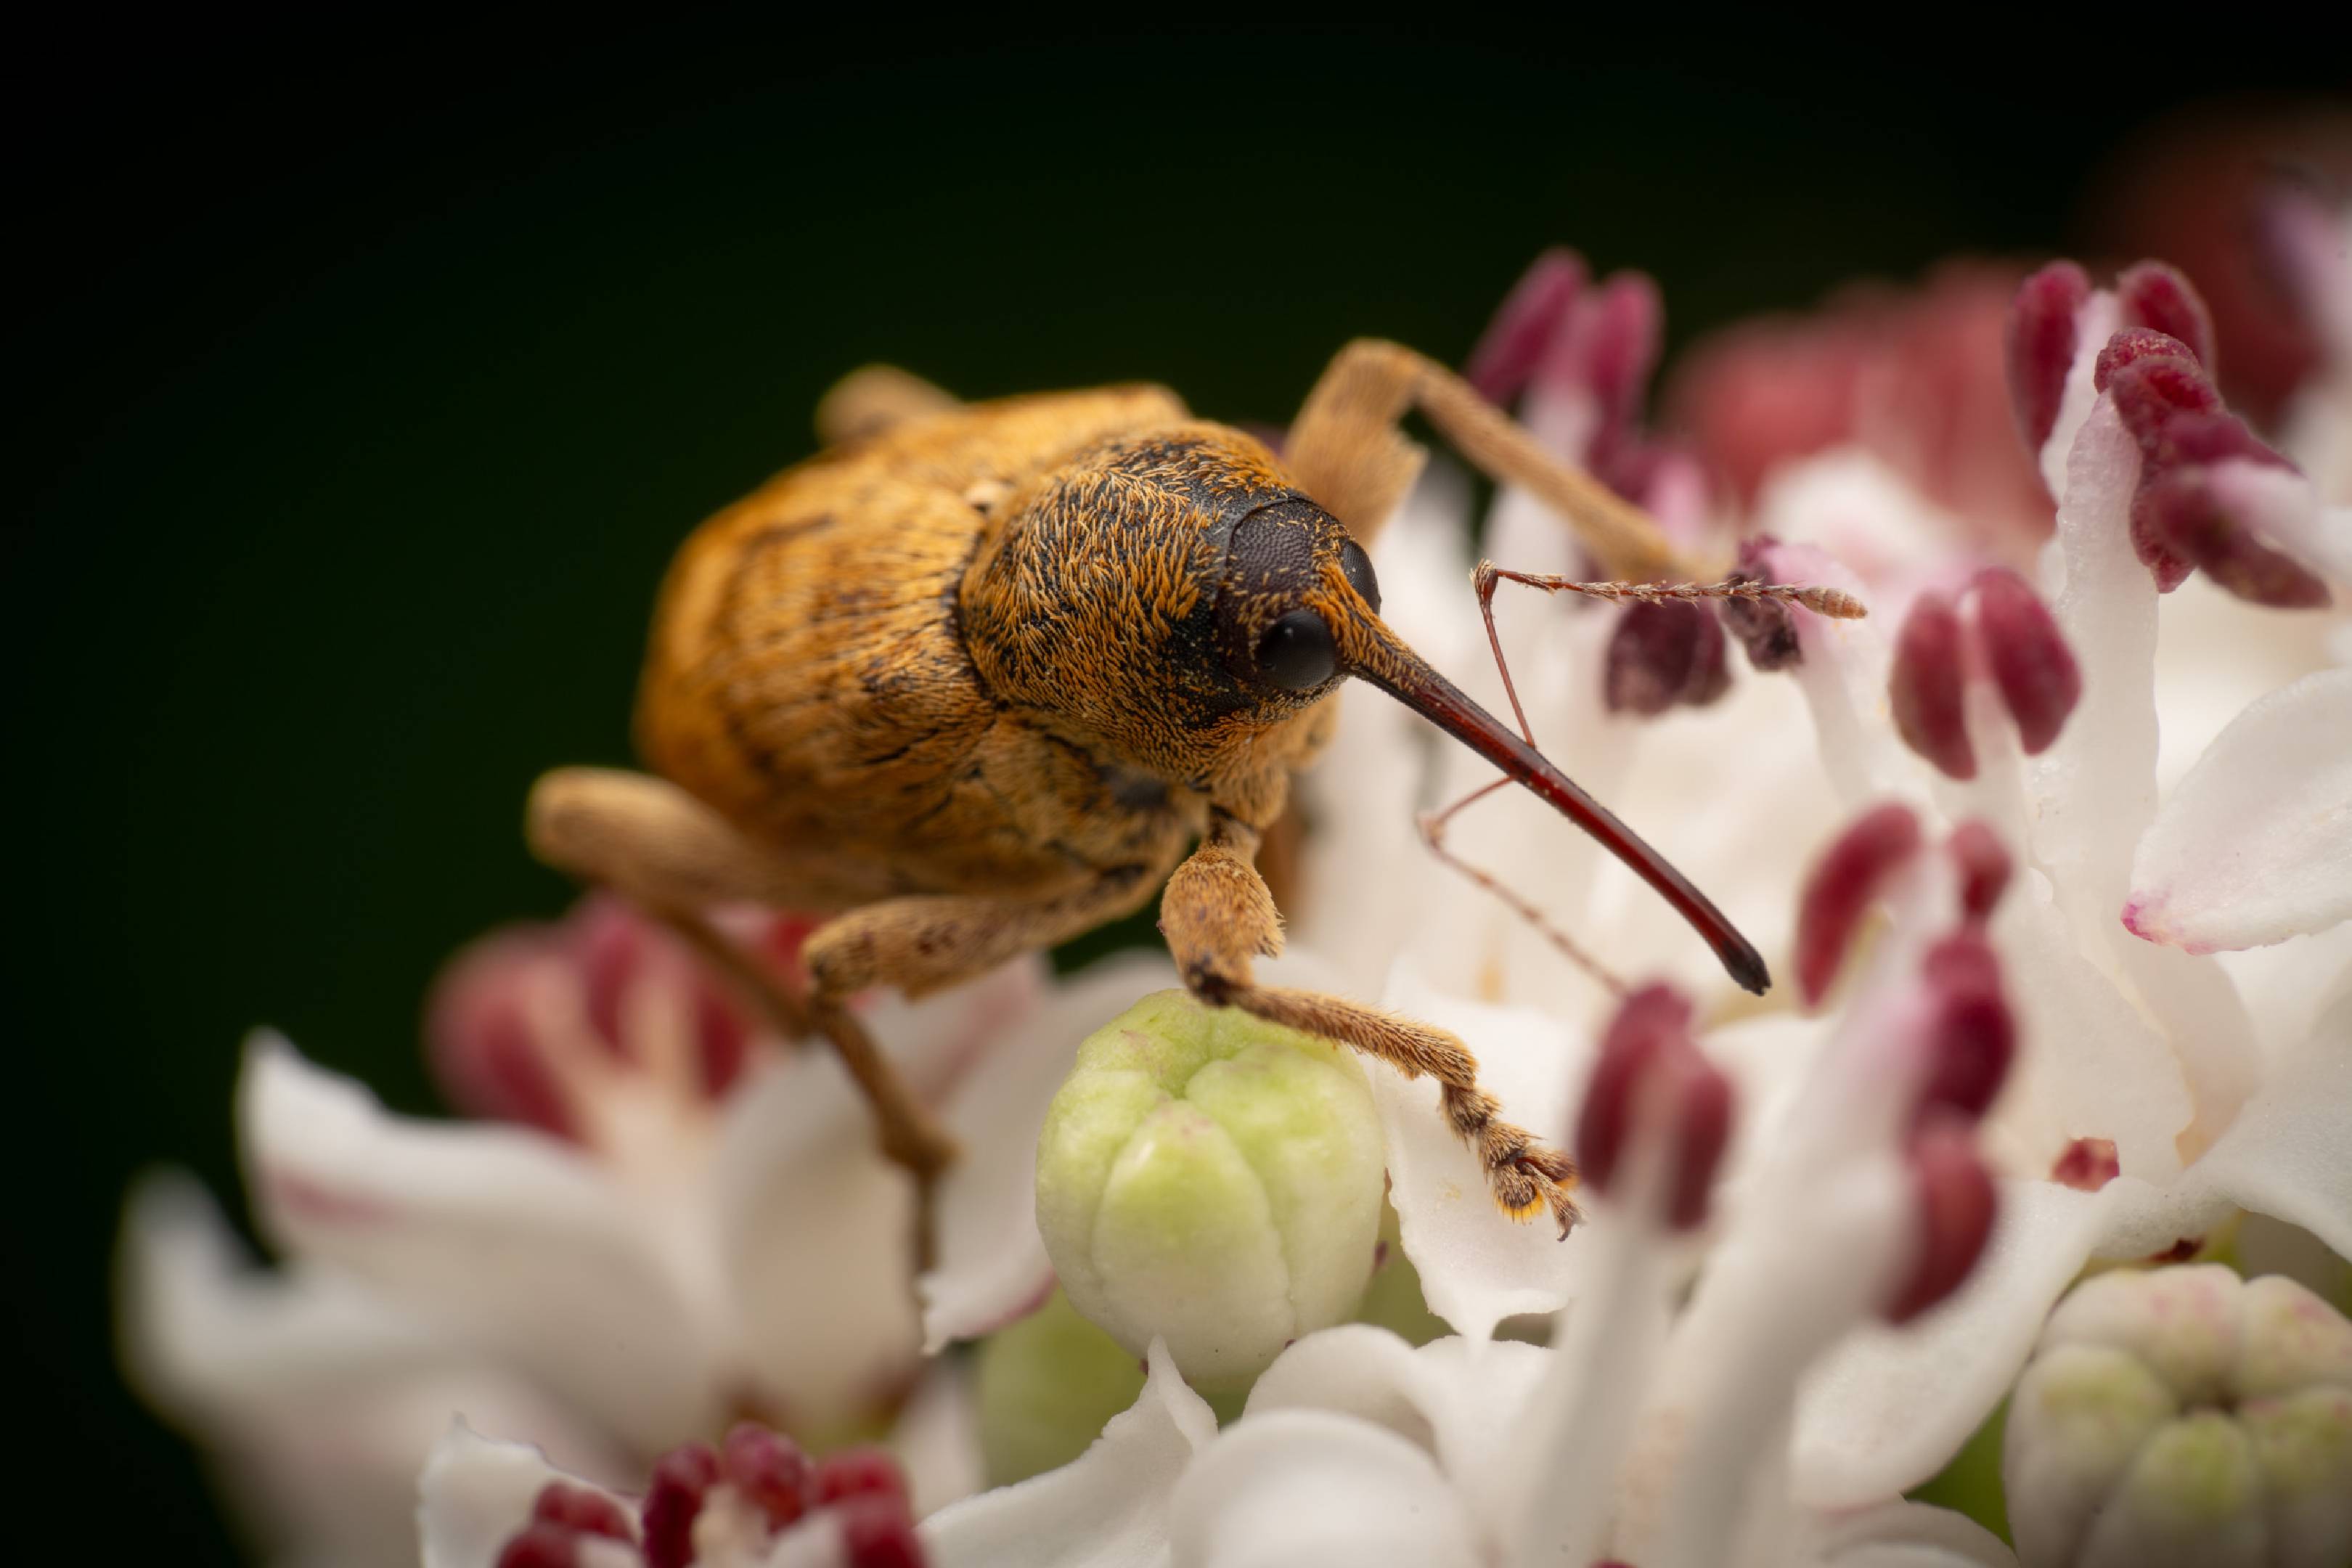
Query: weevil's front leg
x=874 y=398
x=672 y=857
x=1218 y=917
x=1345 y=450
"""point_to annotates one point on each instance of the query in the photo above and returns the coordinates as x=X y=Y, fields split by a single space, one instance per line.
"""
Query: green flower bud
x=2181 y=1415
x=1213 y=1180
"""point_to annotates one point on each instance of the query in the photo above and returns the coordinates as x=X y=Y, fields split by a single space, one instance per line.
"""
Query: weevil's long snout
x=1370 y=651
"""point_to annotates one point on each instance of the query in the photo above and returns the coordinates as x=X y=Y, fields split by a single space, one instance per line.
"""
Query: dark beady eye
x=1296 y=652
x=1359 y=568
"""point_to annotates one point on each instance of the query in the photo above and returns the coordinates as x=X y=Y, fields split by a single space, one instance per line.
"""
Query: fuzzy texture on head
x=1112 y=602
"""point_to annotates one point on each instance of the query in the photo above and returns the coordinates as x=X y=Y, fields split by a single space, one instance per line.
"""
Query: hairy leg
x=1347 y=451
x=1218 y=916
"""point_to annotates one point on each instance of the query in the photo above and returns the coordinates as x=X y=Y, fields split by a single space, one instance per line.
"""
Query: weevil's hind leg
x=874 y=398
x=665 y=851
x=1345 y=449
x=1217 y=917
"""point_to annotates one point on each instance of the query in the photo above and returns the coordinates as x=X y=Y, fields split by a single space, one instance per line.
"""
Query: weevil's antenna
x=1370 y=651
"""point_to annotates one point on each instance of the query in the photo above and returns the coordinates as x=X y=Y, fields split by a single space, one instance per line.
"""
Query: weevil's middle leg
x=1217 y=917
x=672 y=857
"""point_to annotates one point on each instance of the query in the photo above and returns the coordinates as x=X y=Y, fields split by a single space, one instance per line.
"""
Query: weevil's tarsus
x=1217 y=917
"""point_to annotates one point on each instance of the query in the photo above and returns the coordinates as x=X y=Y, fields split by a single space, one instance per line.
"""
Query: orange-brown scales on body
x=974 y=679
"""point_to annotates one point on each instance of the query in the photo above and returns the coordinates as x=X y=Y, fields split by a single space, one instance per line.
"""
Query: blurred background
x=365 y=383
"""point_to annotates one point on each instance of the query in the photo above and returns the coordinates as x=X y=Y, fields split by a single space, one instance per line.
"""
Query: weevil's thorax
x=1120 y=600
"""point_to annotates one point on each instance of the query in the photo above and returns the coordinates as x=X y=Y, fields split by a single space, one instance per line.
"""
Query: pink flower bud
x=2030 y=662
x=1841 y=889
x=479 y=1037
x=2130 y=344
x=877 y=1531
x=1925 y=687
x=581 y=1509
x=2150 y=390
x=2041 y=346
x=770 y=1470
x=2181 y=510
x=1766 y=628
x=2156 y=295
x=1984 y=866
x=1617 y=348
x=1956 y=1204
x=541 y=1546
x=1524 y=324
x=1973 y=1037
x=681 y=1480
x=1661 y=655
x=1647 y=1056
x=2086 y=1164
x=854 y=1472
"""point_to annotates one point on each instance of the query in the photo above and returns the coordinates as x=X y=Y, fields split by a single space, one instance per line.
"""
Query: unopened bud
x=2182 y=1416
x=2158 y=296
x=2039 y=680
x=1212 y=1179
x=1926 y=684
x=1840 y=891
x=2041 y=346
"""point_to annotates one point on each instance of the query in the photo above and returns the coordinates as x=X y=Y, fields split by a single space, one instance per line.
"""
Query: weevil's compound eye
x=1296 y=652
x=1359 y=568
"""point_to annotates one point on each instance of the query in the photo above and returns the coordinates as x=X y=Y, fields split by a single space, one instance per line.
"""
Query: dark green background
x=365 y=383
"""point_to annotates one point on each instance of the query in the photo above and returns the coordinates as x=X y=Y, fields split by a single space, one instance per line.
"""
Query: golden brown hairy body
x=976 y=676
x=808 y=677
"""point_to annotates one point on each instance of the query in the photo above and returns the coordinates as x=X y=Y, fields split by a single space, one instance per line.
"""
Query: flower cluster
x=2056 y=845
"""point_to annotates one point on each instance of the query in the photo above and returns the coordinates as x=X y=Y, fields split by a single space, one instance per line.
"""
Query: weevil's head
x=1168 y=601
x=1170 y=604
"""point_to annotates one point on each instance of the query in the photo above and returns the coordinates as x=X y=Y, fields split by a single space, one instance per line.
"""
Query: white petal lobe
x=2255 y=845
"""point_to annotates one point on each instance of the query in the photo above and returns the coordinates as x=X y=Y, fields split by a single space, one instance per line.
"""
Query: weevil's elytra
x=973 y=678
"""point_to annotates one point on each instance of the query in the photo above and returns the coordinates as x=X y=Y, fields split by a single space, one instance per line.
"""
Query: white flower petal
x=476 y=1494
x=2092 y=1065
x=2256 y=844
x=2287 y=1155
x=1459 y=1399
x=498 y=1234
x=1479 y=1266
x=1910 y=1535
x=1109 y=1507
x=937 y=1439
x=1887 y=1406
x=2096 y=783
x=992 y=1267
x=1307 y=1489
x=816 y=1231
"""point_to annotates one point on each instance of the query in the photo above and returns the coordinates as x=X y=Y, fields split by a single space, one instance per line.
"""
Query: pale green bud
x=2181 y=1415
x=1213 y=1180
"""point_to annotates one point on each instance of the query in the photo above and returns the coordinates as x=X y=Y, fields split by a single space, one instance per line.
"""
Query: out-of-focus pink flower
x=1913 y=376
x=2197 y=190
x=667 y=1216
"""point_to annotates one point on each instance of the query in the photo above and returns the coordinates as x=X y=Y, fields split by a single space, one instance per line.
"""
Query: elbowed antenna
x=1371 y=652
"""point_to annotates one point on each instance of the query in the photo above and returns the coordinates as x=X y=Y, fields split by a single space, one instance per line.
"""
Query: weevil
x=971 y=680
